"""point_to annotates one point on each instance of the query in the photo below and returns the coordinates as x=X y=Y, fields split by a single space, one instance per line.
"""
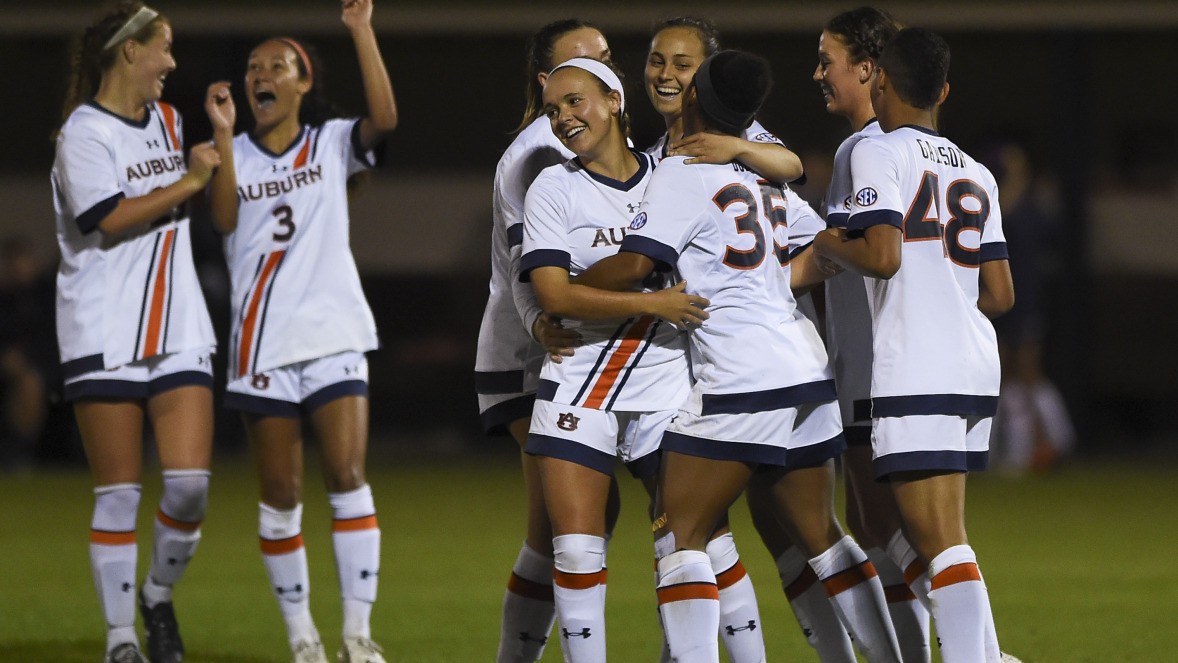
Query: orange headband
x=298 y=49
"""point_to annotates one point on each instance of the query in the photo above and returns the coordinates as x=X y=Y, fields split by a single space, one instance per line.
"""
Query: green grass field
x=1076 y=563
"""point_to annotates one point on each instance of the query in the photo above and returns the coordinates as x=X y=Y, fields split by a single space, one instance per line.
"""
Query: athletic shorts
x=954 y=443
x=758 y=438
x=145 y=378
x=817 y=437
x=301 y=388
x=504 y=397
x=598 y=438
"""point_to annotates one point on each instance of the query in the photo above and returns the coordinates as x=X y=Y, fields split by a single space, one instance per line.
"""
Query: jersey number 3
x=285 y=216
x=921 y=223
x=748 y=223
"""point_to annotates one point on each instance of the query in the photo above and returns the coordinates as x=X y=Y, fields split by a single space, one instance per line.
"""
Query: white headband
x=141 y=18
x=598 y=69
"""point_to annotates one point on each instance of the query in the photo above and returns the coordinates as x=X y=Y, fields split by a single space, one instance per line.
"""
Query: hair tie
x=302 y=54
x=134 y=24
x=599 y=69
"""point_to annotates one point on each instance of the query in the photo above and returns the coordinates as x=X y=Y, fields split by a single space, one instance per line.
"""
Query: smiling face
x=675 y=55
x=153 y=62
x=583 y=116
x=844 y=84
x=274 y=85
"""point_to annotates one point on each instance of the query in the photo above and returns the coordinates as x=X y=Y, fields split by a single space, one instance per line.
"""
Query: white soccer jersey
x=848 y=314
x=506 y=351
x=129 y=297
x=296 y=291
x=573 y=218
x=715 y=223
x=935 y=352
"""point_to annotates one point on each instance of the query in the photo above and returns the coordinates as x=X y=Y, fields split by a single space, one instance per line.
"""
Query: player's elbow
x=883 y=267
x=993 y=305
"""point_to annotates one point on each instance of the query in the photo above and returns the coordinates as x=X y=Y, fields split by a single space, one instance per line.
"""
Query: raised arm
x=378 y=90
x=223 y=184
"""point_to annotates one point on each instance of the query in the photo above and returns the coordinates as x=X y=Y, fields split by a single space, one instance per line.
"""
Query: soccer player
x=925 y=228
x=507 y=365
x=848 y=49
x=301 y=324
x=614 y=396
x=132 y=327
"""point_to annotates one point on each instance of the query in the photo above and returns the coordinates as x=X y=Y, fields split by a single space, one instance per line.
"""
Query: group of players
x=651 y=307
x=135 y=336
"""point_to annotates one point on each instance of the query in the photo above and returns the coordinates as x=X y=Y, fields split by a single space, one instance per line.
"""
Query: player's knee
x=344 y=479
x=282 y=492
x=186 y=494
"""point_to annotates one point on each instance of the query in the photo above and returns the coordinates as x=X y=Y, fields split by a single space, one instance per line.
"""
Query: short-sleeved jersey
x=136 y=295
x=935 y=352
x=573 y=218
x=848 y=314
x=715 y=224
x=506 y=348
x=296 y=290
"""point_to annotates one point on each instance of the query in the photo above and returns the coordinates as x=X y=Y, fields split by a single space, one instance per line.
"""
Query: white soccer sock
x=528 y=608
x=113 y=554
x=857 y=595
x=177 y=531
x=356 y=539
x=960 y=605
x=579 y=592
x=807 y=597
x=689 y=604
x=740 y=619
x=915 y=571
x=280 y=532
x=909 y=617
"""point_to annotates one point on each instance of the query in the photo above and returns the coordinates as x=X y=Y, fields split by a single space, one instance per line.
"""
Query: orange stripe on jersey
x=354 y=524
x=613 y=368
x=898 y=594
x=804 y=581
x=301 y=159
x=530 y=589
x=281 y=546
x=104 y=538
x=726 y=579
x=688 y=591
x=577 y=580
x=169 y=114
x=916 y=569
x=964 y=572
x=848 y=578
x=181 y=525
x=251 y=317
x=155 y=319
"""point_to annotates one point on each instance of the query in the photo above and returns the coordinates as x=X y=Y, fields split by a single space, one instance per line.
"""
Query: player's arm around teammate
x=120 y=189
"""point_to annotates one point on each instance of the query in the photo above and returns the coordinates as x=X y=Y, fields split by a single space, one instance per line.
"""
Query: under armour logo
x=297 y=589
x=731 y=630
x=351 y=370
x=806 y=631
x=276 y=168
x=366 y=574
x=524 y=637
x=567 y=421
x=583 y=634
x=633 y=207
x=260 y=381
x=128 y=586
x=153 y=143
x=173 y=561
x=673 y=418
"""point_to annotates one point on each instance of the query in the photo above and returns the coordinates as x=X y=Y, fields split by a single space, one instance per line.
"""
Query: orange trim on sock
x=688 y=591
x=803 y=582
x=281 y=546
x=577 y=580
x=354 y=524
x=964 y=572
x=181 y=525
x=726 y=579
x=898 y=594
x=915 y=570
x=848 y=578
x=104 y=538
x=529 y=589
x=604 y=575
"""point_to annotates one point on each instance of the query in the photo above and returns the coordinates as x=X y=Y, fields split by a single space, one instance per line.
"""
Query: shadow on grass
x=90 y=651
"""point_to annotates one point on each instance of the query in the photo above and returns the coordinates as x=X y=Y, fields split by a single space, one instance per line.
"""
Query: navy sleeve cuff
x=663 y=256
x=88 y=221
x=515 y=234
x=837 y=220
x=361 y=153
x=798 y=251
x=994 y=251
x=859 y=223
x=541 y=258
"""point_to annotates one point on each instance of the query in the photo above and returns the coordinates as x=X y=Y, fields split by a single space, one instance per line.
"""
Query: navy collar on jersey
x=138 y=124
x=643 y=167
x=293 y=144
x=923 y=130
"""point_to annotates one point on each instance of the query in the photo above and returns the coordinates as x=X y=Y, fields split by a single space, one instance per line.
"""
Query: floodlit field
x=1079 y=566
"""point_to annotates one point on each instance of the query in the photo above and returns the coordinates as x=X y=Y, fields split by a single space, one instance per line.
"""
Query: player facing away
x=132 y=327
x=925 y=227
x=848 y=50
x=301 y=324
x=507 y=364
x=613 y=397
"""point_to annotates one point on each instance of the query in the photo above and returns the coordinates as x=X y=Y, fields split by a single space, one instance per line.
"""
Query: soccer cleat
x=128 y=652
x=163 y=633
x=360 y=650
x=309 y=651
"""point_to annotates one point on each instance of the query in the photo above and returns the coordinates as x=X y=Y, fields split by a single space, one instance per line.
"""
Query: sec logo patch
x=765 y=137
x=866 y=197
x=638 y=221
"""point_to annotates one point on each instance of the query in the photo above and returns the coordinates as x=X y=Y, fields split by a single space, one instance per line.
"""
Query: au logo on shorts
x=567 y=421
x=866 y=197
x=638 y=221
x=260 y=381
